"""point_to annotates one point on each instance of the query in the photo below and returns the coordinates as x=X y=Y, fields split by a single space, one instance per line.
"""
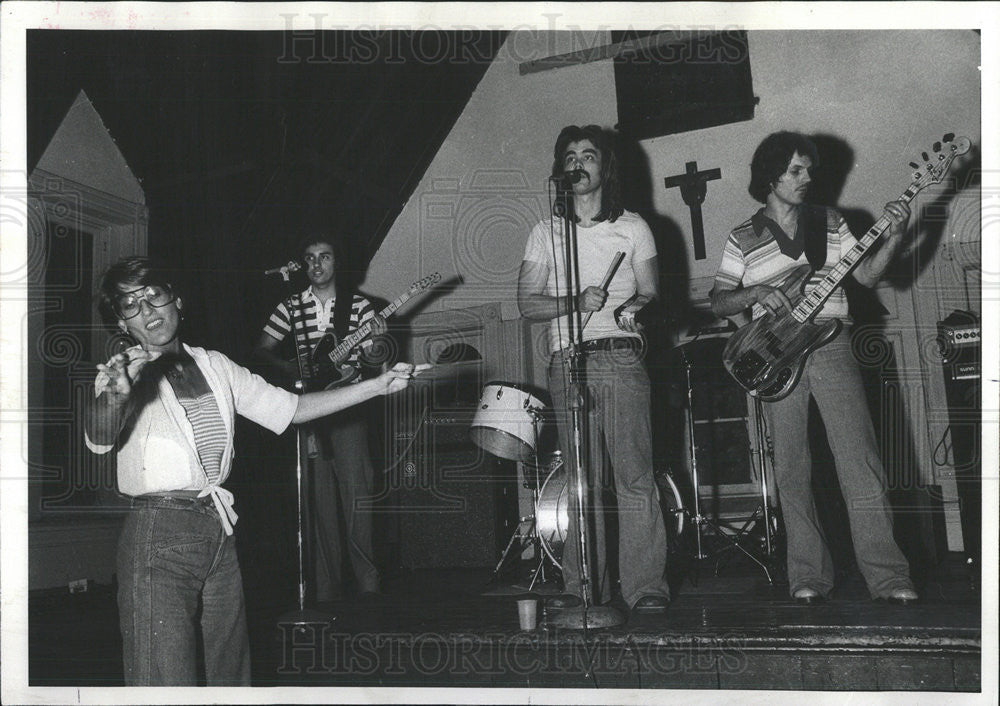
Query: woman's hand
x=117 y=376
x=398 y=377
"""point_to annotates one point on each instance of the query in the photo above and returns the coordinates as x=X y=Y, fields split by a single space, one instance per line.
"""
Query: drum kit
x=507 y=424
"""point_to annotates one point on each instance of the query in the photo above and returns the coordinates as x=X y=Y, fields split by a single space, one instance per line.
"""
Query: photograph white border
x=17 y=17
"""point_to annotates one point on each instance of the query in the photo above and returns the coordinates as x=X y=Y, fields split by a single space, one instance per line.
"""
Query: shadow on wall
x=960 y=196
x=913 y=504
x=637 y=193
x=675 y=274
x=836 y=158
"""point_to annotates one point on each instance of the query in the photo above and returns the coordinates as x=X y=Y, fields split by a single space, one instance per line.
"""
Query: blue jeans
x=618 y=422
x=832 y=377
x=178 y=582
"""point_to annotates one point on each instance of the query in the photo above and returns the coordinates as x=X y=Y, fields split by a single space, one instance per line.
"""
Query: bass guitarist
x=759 y=254
x=341 y=468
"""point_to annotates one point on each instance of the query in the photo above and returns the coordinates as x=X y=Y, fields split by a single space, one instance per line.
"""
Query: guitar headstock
x=933 y=168
x=425 y=283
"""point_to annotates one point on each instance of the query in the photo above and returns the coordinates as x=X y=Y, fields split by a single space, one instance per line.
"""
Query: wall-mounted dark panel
x=684 y=84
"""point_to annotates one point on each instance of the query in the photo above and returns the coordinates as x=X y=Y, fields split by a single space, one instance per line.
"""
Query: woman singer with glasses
x=169 y=409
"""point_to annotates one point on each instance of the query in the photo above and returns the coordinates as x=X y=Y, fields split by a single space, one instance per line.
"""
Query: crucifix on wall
x=694 y=186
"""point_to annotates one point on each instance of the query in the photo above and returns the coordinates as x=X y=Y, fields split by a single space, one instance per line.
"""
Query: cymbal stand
x=701 y=521
x=764 y=514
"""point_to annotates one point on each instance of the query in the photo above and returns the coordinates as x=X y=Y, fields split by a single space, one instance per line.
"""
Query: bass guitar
x=327 y=360
x=766 y=357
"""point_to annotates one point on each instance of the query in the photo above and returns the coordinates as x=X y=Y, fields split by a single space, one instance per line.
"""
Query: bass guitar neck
x=767 y=356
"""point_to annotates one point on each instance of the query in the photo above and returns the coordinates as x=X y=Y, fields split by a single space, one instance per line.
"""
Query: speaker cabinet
x=455 y=504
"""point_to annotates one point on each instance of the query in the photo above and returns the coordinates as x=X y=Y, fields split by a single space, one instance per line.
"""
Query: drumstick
x=610 y=275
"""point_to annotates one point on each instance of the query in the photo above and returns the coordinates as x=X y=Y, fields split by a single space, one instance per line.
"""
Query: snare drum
x=504 y=424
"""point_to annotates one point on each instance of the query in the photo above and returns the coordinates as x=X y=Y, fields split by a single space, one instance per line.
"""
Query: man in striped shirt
x=758 y=256
x=340 y=462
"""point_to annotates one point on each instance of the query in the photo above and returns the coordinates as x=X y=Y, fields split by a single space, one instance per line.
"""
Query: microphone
x=572 y=176
x=290 y=266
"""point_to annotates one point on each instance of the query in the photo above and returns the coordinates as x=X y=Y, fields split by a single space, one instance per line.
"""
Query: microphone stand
x=586 y=615
x=303 y=616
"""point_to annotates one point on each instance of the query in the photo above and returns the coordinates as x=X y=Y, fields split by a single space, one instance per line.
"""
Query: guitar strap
x=815 y=235
x=342 y=313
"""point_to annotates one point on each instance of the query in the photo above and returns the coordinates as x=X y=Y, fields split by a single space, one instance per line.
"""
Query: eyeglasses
x=129 y=304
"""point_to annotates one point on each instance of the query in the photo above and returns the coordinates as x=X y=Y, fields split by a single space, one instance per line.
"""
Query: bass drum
x=552 y=512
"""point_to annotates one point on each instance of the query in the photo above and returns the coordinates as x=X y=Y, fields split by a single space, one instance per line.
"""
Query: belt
x=180 y=497
x=212 y=496
x=616 y=343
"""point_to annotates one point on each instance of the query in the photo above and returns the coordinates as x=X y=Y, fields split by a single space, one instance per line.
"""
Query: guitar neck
x=822 y=291
x=345 y=346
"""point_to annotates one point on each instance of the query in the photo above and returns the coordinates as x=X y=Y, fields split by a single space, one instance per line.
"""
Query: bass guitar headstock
x=934 y=167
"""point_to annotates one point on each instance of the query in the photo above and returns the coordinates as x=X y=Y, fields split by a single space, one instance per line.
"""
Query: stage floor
x=437 y=628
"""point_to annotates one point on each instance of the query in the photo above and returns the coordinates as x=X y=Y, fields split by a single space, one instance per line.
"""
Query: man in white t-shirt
x=616 y=384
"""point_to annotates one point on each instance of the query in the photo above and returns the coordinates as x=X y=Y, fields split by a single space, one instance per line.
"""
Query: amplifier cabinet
x=454 y=504
x=960 y=342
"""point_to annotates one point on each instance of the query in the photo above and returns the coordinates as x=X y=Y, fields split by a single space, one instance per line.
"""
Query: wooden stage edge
x=436 y=628
x=453 y=628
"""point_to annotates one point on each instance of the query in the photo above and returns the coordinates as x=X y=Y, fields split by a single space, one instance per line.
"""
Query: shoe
x=564 y=600
x=651 y=604
x=903 y=597
x=808 y=596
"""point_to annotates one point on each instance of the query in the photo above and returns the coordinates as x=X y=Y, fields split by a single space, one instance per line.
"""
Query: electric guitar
x=326 y=362
x=766 y=357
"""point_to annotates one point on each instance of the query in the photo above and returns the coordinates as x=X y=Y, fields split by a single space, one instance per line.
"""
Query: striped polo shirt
x=753 y=255
x=312 y=320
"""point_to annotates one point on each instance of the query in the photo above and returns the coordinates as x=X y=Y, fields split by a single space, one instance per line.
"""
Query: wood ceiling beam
x=609 y=51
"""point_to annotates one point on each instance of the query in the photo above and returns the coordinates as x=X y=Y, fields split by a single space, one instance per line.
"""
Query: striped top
x=158 y=452
x=315 y=320
x=210 y=433
x=753 y=255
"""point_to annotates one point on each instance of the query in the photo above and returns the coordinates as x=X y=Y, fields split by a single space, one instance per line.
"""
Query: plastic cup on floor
x=527 y=613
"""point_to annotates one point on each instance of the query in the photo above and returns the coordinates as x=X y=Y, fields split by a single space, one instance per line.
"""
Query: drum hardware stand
x=764 y=512
x=701 y=521
x=301 y=617
x=585 y=616
x=538 y=573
